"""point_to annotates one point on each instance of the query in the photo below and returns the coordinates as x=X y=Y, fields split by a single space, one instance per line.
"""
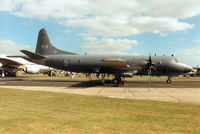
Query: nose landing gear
x=169 y=80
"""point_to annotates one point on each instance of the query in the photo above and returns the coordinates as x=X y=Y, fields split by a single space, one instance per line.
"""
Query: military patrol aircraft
x=118 y=65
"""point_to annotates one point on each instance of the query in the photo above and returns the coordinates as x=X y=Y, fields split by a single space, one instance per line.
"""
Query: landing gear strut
x=102 y=78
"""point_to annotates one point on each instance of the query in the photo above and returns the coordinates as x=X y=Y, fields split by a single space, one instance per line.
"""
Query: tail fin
x=44 y=46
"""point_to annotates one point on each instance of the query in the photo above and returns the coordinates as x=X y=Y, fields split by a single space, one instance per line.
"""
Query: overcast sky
x=104 y=26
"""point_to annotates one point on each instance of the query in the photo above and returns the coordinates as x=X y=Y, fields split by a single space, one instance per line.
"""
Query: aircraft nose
x=188 y=68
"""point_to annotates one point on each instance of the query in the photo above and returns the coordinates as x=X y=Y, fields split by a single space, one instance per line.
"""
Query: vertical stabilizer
x=44 y=46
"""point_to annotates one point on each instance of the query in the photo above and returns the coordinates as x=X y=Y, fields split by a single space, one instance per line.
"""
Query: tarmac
x=179 y=91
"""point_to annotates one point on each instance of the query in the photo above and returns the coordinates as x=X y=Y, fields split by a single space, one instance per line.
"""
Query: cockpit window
x=176 y=60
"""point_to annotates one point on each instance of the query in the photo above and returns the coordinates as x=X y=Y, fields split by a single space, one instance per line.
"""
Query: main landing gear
x=116 y=80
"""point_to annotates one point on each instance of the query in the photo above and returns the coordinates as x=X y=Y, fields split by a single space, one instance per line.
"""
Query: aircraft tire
x=116 y=80
x=169 y=81
x=11 y=75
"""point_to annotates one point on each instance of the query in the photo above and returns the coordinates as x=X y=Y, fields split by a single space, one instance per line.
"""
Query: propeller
x=149 y=74
x=150 y=64
x=149 y=67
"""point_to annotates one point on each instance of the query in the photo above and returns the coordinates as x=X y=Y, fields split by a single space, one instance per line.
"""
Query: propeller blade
x=149 y=74
x=150 y=61
x=150 y=64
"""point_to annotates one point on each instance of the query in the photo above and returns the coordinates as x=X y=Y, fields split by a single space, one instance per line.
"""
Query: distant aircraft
x=118 y=65
x=11 y=64
x=195 y=72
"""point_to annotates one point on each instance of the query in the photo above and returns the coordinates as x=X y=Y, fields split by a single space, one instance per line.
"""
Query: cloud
x=182 y=39
x=93 y=45
x=59 y=38
x=190 y=56
x=67 y=31
x=108 y=17
x=9 y=5
x=178 y=9
x=197 y=42
x=123 y=26
x=10 y=47
x=48 y=9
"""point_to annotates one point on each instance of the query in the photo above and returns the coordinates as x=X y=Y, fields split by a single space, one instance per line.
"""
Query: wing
x=8 y=64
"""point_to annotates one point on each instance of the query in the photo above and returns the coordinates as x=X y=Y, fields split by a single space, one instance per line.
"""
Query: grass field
x=31 y=112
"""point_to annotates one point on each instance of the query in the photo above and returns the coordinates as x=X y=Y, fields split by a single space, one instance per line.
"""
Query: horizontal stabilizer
x=33 y=55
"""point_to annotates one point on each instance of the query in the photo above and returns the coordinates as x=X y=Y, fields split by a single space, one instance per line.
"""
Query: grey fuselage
x=165 y=65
